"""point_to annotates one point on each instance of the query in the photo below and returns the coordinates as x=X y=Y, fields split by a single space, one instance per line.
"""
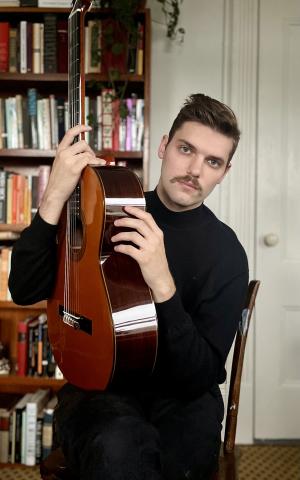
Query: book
x=37 y=401
x=29 y=47
x=140 y=123
x=62 y=42
x=28 y=3
x=36 y=48
x=13 y=62
x=55 y=3
x=22 y=346
x=3 y=133
x=4 y=46
x=11 y=122
x=140 y=50
x=32 y=113
x=47 y=430
x=50 y=43
x=107 y=118
x=32 y=346
x=23 y=46
x=18 y=411
x=4 y=273
x=7 y=404
x=2 y=196
x=41 y=340
x=9 y=3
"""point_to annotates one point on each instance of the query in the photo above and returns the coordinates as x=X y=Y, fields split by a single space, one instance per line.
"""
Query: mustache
x=187 y=178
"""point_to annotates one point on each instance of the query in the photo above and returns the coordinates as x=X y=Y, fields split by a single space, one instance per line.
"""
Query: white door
x=277 y=329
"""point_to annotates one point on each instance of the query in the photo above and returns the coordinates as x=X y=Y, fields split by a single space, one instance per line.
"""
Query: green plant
x=171 y=10
x=123 y=12
x=125 y=9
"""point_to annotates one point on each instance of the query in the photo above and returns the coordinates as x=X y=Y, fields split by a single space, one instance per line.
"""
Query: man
x=167 y=427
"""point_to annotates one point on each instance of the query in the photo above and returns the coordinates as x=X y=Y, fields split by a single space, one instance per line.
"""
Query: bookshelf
x=23 y=160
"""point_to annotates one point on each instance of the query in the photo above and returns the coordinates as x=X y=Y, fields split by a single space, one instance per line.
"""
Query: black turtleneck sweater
x=197 y=325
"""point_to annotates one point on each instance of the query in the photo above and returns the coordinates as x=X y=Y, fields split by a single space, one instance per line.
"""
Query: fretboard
x=74 y=85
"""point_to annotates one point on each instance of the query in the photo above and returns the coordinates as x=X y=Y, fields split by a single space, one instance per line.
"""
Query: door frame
x=240 y=91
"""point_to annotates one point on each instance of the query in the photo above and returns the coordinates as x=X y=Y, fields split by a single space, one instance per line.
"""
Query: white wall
x=178 y=70
x=218 y=57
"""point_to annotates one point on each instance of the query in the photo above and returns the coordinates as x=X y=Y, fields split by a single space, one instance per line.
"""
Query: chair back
x=237 y=367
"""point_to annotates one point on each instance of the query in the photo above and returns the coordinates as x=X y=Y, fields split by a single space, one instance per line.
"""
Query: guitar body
x=101 y=317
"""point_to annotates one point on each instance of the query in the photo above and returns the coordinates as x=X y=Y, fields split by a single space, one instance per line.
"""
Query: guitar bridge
x=76 y=321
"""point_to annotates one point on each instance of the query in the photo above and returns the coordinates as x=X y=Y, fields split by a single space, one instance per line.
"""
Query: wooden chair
x=228 y=458
x=54 y=466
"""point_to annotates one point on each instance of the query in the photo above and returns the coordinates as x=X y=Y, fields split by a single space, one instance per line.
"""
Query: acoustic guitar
x=101 y=317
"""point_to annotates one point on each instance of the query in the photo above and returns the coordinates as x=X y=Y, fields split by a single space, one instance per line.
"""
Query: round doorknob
x=271 y=239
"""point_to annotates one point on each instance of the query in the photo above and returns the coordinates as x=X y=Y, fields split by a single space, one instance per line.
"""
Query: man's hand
x=68 y=164
x=148 y=250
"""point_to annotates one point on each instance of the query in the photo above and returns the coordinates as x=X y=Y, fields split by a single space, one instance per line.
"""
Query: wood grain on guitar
x=101 y=316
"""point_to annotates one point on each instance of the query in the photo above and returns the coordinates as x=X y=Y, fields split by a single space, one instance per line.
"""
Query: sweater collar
x=187 y=218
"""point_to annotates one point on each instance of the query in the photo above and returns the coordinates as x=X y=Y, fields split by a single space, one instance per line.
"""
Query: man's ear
x=162 y=146
x=228 y=167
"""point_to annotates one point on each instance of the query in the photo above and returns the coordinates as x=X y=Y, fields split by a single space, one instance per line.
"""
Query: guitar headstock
x=83 y=5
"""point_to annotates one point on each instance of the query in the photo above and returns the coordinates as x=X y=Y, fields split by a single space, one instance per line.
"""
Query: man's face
x=193 y=163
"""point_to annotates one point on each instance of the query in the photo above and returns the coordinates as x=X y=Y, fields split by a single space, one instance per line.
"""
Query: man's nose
x=196 y=167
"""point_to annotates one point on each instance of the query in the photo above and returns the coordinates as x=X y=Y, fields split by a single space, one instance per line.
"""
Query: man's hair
x=210 y=112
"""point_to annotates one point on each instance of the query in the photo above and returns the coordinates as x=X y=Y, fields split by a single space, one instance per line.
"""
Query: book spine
x=36 y=48
x=29 y=47
x=4 y=436
x=3 y=131
x=62 y=41
x=12 y=437
x=4 y=273
x=4 y=46
x=107 y=120
x=23 y=46
x=128 y=125
x=13 y=50
x=50 y=43
x=32 y=113
x=19 y=112
x=11 y=122
x=140 y=50
x=30 y=433
x=2 y=196
x=22 y=348
x=47 y=435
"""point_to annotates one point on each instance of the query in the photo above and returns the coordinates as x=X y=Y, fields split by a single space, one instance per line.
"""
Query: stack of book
x=20 y=195
x=41 y=122
x=34 y=353
x=26 y=426
x=42 y=47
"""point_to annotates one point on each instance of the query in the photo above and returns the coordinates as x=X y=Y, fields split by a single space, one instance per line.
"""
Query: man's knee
x=126 y=448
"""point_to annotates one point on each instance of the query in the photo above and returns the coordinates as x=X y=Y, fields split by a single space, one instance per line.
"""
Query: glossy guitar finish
x=116 y=329
x=101 y=317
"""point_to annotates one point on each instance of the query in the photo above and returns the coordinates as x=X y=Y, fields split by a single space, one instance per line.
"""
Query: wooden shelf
x=34 y=10
x=63 y=77
x=10 y=227
x=13 y=306
x=29 y=152
x=13 y=383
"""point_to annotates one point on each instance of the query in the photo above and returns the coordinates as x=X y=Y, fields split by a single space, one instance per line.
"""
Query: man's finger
x=71 y=134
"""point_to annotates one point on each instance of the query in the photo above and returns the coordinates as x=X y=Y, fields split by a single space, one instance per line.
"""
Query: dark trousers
x=121 y=436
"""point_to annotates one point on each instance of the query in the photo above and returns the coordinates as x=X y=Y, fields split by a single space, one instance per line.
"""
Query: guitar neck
x=76 y=81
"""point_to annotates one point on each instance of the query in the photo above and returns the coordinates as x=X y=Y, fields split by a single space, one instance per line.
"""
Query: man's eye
x=184 y=149
x=213 y=162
